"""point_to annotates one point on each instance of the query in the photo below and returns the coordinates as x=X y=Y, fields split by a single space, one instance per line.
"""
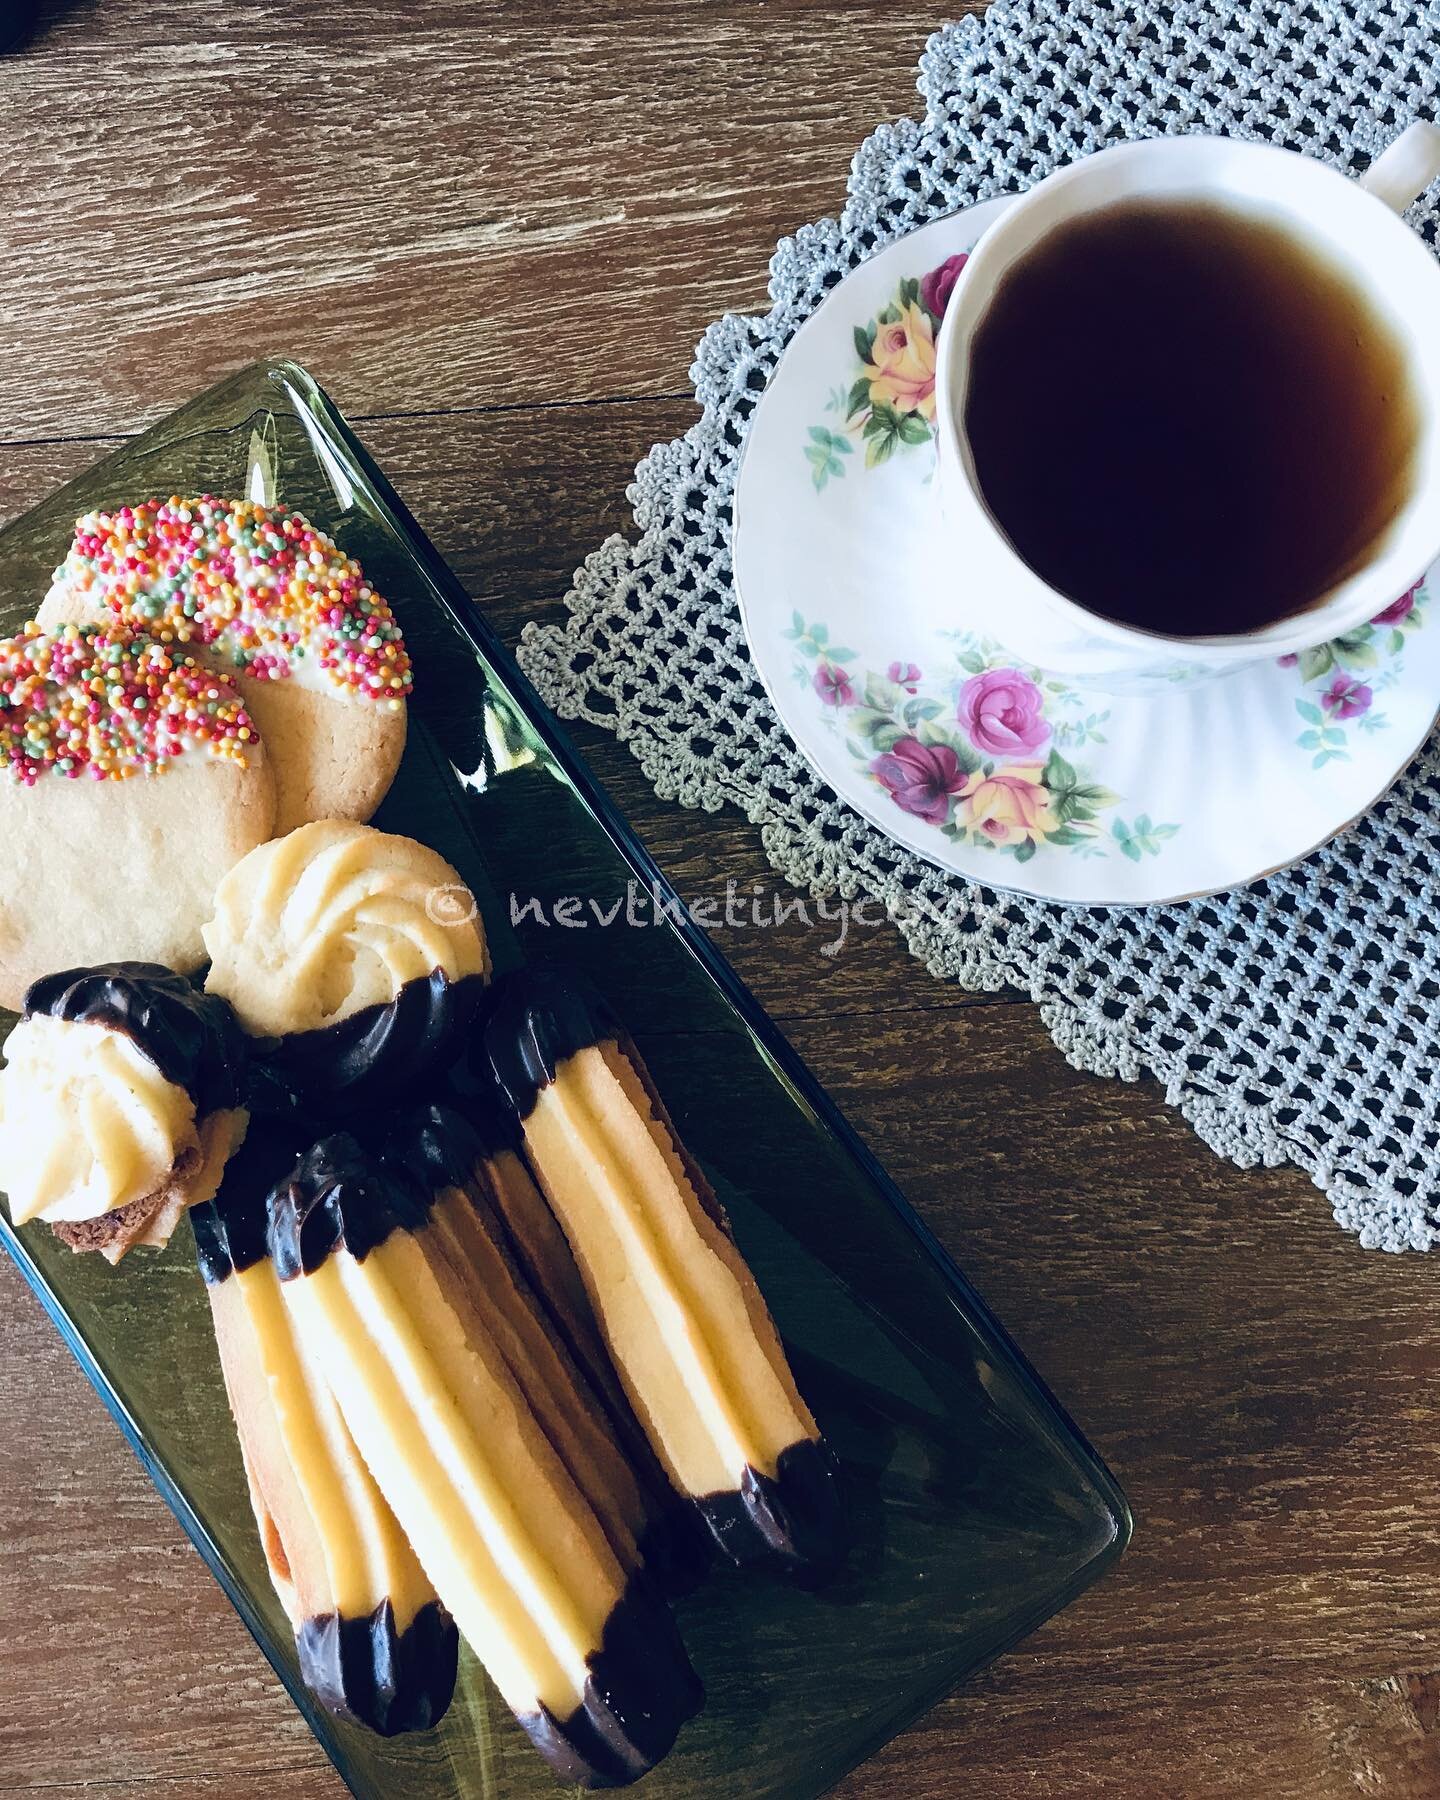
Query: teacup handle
x=1402 y=173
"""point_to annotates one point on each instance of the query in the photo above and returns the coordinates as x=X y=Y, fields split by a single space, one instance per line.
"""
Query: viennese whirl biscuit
x=258 y=593
x=356 y=955
x=120 y=1102
x=131 y=780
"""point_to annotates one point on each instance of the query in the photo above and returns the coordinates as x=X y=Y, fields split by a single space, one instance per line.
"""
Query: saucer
x=893 y=678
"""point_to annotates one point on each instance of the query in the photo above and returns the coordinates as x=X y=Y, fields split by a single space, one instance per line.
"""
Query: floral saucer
x=911 y=708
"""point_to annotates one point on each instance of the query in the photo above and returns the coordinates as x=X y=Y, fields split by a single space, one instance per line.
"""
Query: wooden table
x=495 y=231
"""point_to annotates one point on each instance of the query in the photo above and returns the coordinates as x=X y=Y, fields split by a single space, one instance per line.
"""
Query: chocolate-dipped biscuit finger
x=681 y=1314
x=120 y=1103
x=577 y=1643
x=375 y=1644
x=356 y=958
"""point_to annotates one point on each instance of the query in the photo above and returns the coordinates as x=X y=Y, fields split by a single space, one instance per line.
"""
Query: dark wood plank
x=495 y=203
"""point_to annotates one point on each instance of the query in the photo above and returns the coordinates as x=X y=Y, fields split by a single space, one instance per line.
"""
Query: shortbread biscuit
x=273 y=603
x=131 y=781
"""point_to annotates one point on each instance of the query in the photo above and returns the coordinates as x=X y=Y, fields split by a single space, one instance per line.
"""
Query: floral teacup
x=1355 y=221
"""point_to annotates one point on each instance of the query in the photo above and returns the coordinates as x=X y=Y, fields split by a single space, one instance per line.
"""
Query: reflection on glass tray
x=978 y=1509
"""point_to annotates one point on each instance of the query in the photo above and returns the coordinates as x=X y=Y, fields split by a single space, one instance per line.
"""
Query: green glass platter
x=978 y=1509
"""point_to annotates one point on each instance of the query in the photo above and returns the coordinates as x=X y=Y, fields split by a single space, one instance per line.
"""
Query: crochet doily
x=1291 y=1021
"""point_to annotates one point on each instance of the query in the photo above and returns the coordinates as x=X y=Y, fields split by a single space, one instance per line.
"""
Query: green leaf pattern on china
x=1343 y=677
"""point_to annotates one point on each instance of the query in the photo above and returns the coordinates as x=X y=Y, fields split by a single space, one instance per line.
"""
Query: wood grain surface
x=495 y=231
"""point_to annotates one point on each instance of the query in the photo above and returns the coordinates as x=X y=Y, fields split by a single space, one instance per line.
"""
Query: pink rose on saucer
x=833 y=685
x=937 y=287
x=1346 y=698
x=1002 y=712
x=1398 y=609
x=920 y=778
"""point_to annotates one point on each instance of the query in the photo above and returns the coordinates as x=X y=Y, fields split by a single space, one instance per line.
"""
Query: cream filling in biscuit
x=515 y=1552
x=333 y=918
x=88 y=1123
x=686 y=1324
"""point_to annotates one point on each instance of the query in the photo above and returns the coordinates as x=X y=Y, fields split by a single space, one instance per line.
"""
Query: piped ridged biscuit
x=502 y=1189
x=682 y=1317
x=131 y=782
x=272 y=603
x=423 y=1363
x=358 y=956
x=374 y=1643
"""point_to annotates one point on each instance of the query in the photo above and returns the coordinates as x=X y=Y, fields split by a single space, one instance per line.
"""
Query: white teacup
x=1358 y=226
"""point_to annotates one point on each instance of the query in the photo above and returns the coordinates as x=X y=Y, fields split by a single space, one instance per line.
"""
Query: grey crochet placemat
x=1291 y=1021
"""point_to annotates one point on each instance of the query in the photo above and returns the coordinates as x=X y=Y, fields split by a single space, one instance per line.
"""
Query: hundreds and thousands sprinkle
x=261 y=584
x=102 y=703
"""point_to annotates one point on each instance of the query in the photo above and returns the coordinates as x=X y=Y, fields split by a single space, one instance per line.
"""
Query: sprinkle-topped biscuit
x=275 y=595
x=95 y=865
x=260 y=595
x=104 y=703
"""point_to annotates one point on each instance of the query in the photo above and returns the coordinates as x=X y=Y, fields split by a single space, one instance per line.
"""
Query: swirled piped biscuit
x=131 y=779
x=358 y=956
x=119 y=1105
x=260 y=594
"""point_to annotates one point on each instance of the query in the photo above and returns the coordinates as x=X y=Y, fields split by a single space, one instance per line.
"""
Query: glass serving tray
x=978 y=1509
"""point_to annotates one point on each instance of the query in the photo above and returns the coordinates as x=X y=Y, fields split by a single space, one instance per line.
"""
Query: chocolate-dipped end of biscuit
x=191 y=1037
x=600 y=1745
x=694 y=1343
x=506 y=1482
x=339 y=1195
x=795 y=1517
x=374 y=1643
x=382 y=1052
x=388 y=1680
x=535 y=1021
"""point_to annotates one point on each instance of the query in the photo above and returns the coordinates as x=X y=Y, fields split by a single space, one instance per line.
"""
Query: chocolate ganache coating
x=391 y=1681
x=602 y=1744
x=536 y=1018
x=193 y=1038
x=380 y=1053
x=794 y=1518
x=340 y=1192
x=230 y=1229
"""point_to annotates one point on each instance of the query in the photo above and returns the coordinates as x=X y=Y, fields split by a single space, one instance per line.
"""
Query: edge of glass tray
x=306 y=393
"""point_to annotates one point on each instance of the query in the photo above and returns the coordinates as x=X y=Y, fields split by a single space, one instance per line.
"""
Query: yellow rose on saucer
x=901 y=370
x=1008 y=806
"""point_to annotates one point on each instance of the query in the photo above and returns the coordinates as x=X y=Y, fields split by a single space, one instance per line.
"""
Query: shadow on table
x=27 y=22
